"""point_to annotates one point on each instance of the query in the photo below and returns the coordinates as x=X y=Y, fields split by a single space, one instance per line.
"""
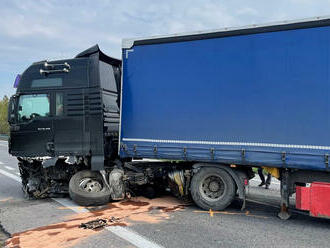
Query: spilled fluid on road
x=67 y=233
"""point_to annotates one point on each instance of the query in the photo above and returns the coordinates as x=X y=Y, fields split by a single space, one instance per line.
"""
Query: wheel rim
x=212 y=188
x=90 y=185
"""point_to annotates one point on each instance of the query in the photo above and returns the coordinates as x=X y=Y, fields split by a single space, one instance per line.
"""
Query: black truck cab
x=67 y=108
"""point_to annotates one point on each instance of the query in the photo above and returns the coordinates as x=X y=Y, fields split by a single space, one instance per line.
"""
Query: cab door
x=33 y=135
x=68 y=122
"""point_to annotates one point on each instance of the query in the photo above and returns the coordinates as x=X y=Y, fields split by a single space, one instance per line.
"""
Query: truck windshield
x=31 y=106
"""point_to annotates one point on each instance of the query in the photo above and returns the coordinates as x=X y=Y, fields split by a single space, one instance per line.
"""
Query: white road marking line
x=132 y=237
x=3 y=145
x=1 y=162
x=9 y=168
x=71 y=205
x=122 y=232
x=7 y=174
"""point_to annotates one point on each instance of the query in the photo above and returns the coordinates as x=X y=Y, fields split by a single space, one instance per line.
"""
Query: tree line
x=4 y=126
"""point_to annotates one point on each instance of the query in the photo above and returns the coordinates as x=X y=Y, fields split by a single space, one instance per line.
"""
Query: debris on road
x=94 y=224
x=98 y=223
x=114 y=219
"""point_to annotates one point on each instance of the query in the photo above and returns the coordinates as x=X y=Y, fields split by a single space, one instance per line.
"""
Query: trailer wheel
x=212 y=188
x=86 y=188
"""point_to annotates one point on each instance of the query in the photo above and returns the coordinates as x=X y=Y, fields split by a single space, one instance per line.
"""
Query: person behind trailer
x=262 y=178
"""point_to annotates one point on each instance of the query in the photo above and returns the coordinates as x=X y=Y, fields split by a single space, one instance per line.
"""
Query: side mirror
x=11 y=109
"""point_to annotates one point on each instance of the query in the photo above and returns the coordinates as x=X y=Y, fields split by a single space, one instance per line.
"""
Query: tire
x=223 y=188
x=83 y=197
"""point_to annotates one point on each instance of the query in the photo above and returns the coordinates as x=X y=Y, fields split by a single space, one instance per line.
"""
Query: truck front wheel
x=212 y=188
x=87 y=188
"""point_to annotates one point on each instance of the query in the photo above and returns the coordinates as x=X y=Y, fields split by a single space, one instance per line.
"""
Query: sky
x=34 y=30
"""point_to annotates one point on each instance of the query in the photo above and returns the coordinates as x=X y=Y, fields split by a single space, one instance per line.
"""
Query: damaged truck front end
x=64 y=118
x=64 y=129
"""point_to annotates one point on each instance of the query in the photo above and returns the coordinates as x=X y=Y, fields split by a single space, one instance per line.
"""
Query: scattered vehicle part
x=113 y=219
x=99 y=223
x=94 y=224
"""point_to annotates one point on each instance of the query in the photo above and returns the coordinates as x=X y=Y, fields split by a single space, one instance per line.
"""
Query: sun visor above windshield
x=103 y=57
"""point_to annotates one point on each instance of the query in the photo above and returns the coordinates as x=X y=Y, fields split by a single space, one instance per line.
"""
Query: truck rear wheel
x=87 y=188
x=212 y=188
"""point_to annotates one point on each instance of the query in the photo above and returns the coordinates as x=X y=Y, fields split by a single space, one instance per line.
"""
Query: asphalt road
x=164 y=222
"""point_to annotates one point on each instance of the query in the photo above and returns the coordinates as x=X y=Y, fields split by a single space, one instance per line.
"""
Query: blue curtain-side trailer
x=253 y=96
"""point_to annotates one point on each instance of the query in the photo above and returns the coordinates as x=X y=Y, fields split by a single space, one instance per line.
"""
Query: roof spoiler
x=103 y=57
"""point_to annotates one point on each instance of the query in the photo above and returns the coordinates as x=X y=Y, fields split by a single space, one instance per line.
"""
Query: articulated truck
x=192 y=113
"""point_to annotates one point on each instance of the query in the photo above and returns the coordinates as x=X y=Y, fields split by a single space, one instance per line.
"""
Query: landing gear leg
x=284 y=214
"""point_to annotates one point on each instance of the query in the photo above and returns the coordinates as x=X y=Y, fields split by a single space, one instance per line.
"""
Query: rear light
x=246 y=182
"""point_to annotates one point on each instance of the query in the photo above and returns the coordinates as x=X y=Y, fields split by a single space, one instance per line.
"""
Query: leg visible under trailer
x=284 y=214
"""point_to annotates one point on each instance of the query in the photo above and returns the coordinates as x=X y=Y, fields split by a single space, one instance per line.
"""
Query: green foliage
x=4 y=126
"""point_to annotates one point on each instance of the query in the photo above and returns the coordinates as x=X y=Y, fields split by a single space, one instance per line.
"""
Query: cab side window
x=59 y=104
